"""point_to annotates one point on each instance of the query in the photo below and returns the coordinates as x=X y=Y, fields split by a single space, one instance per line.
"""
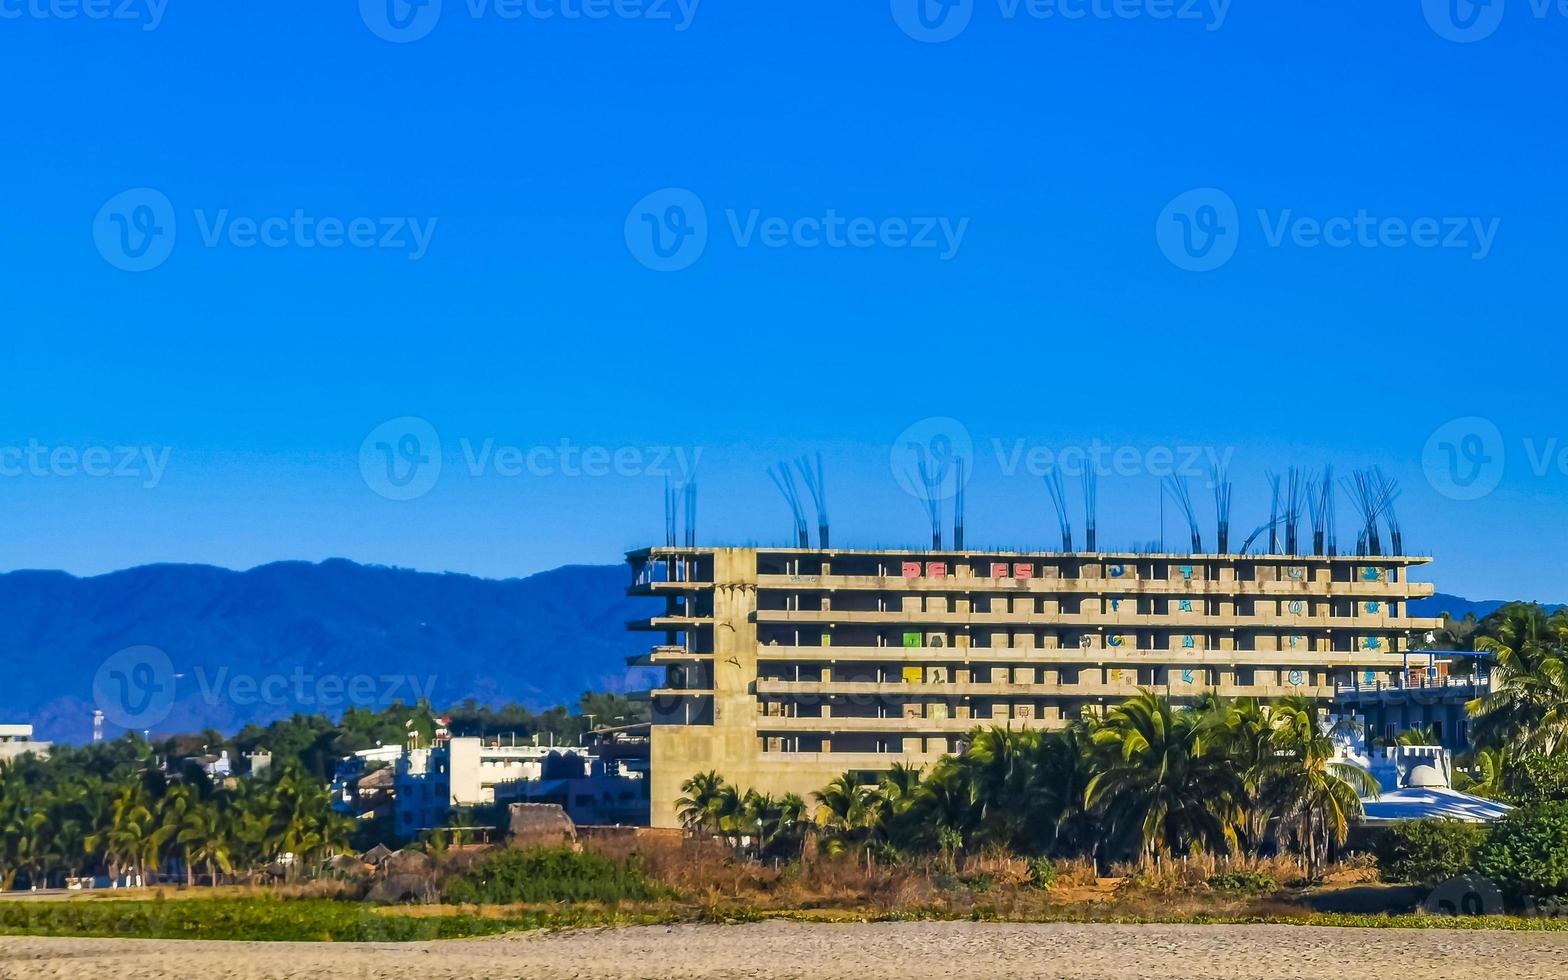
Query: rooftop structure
x=18 y=740
x=1429 y=699
x=428 y=783
x=1415 y=782
x=786 y=667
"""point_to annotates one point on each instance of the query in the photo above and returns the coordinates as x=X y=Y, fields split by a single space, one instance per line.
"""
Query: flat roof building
x=785 y=667
x=18 y=740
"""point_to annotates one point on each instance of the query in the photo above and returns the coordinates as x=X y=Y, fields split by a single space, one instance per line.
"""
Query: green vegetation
x=1244 y=880
x=1527 y=710
x=1042 y=873
x=1428 y=851
x=274 y=920
x=107 y=809
x=1148 y=780
x=1527 y=851
x=549 y=875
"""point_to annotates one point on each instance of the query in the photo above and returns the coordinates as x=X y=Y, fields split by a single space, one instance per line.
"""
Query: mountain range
x=257 y=645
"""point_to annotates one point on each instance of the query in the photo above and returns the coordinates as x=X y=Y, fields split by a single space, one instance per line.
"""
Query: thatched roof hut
x=539 y=825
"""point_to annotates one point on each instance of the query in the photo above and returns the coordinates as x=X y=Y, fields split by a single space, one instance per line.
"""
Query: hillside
x=260 y=644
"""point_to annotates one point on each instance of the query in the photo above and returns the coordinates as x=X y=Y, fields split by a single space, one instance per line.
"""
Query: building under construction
x=786 y=667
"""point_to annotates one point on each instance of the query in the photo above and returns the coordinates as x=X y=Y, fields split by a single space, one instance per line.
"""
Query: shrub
x=549 y=875
x=1244 y=880
x=1042 y=873
x=1527 y=852
x=1427 y=851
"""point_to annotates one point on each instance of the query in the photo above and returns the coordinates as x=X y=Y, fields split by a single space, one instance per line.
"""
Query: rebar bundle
x=1176 y=486
x=785 y=481
x=1053 y=486
x=1222 y=494
x=815 y=480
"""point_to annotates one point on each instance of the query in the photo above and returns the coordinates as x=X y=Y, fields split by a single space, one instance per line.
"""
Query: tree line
x=1151 y=777
x=112 y=811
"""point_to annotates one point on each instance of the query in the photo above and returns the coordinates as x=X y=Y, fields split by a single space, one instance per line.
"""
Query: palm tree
x=848 y=813
x=949 y=808
x=177 y=804
x=1165 y=781
x=696 y=806
x=1248 y=745
x=1456 y=634
x=204 y=835
x=130 y=834
x=1000 y=766
x=1485 y=772
x=1417 y=735
x=900 y=791
x=1316 y=795
x=1528 y=706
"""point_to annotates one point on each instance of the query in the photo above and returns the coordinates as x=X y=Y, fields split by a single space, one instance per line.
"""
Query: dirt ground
x=791 y=949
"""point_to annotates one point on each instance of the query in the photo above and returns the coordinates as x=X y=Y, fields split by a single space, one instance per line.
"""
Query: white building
x=464 y=772
x=1415 y=782
x=18 y=740
x=459 y=772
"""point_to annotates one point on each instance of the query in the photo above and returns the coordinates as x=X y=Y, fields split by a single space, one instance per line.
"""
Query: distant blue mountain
x=536 y=641
x=1457 y=607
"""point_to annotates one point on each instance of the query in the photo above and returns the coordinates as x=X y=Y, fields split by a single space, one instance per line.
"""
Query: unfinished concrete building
x=789 y=666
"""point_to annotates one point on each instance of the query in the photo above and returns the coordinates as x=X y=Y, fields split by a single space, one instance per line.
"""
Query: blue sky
x=877 y=230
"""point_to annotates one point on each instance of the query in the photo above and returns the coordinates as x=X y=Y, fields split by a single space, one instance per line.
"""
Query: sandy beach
x=780 y=949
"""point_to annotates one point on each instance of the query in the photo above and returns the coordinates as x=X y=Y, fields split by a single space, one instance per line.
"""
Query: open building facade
x=785 y=667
